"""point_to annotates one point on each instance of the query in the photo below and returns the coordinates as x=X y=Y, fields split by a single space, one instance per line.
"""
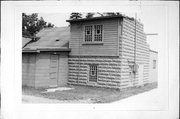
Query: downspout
x=135 y=47
x=135 y=40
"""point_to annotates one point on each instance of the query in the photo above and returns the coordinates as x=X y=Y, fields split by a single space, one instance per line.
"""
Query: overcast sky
x=153 y=18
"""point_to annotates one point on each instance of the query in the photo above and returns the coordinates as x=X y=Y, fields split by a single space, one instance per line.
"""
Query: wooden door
x=54 y=64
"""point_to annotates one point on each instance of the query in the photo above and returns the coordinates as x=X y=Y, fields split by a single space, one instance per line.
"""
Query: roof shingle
x=51 y=38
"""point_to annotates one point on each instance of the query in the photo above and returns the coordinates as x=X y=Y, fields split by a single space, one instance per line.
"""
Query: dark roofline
x=99 y=18
x=153 y=51
x=38 y=50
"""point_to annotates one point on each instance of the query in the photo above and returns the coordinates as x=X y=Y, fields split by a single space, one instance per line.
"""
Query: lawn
x=92 y=94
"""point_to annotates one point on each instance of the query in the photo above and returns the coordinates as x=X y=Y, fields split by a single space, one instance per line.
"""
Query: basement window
x=93 y=73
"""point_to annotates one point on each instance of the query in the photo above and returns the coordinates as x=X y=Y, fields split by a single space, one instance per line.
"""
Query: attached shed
x=45 y=61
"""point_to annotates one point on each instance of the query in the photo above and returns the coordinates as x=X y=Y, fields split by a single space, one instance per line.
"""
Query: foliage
x=111 y=13
x=31 y=24
x=75 y=15
x=89 y=15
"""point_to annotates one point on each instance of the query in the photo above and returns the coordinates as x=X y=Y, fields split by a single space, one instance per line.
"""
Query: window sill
x=92 y=43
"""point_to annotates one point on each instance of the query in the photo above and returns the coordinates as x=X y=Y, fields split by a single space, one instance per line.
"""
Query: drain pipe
x=135 y=47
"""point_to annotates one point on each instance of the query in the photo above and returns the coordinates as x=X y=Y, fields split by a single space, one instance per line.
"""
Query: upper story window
x=88 y=33
x=93 y=33
x=97 y=32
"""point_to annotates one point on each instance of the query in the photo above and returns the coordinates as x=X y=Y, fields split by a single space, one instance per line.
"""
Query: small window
x=93 y=73
x=88 y=33
x=98 y=33
x=154 y=64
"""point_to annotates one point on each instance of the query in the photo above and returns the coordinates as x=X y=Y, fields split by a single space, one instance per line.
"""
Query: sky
x=152 y=17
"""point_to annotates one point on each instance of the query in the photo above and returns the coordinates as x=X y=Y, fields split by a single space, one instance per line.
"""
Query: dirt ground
x=81 y=94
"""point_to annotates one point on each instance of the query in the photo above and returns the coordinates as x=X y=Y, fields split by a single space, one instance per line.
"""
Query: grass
x=94 y=94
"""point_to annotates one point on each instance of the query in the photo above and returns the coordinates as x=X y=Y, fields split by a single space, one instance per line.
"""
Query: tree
x=31 y=24
x=50 y=25
x=75 y=15
x=89 y=15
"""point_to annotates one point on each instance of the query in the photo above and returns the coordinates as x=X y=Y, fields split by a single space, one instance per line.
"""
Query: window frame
x=95 y=30
x=93 y=35
x=84 y=33
x=89 y=67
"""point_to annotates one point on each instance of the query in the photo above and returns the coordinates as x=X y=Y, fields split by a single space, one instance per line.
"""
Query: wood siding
x=110 y=39
x=127 y=52
x=63 y=70
x=153 y=77
x=37 y=69
x=42 y=70
x=28 y=69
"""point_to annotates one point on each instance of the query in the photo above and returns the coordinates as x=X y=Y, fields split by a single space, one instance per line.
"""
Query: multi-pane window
x=93 y=73
x=97 y=32
x=93 y=33
x=88 y=33
x=154 y=64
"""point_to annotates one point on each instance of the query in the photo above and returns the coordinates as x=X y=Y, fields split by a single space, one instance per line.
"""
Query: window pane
x=93 y=73
x=98 y=32
x=88 y=33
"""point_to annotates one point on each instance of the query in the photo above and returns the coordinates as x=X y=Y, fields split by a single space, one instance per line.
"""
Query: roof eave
x=153 y=51
x=94 y=18
x=45 y=50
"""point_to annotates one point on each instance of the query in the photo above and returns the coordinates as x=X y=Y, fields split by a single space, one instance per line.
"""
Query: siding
x=63 y=70
x=42 y=70
x=127 y=52
x=153 y=72
x=110 y=39
x=28 y=69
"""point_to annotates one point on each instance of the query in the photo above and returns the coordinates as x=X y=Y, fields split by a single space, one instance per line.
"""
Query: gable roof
x=25 y=41
x=50 y=39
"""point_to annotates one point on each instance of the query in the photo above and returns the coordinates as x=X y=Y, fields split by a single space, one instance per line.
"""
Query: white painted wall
x=153 y=73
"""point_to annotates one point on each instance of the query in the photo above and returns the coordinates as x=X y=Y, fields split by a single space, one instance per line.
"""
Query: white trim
x=95 y=72
x=93 y=33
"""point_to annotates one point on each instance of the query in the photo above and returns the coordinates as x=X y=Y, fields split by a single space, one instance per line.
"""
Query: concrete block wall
x=109 y=71
x=127 y=52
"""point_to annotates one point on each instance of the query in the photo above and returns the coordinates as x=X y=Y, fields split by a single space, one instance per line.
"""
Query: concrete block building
x=108 y=51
